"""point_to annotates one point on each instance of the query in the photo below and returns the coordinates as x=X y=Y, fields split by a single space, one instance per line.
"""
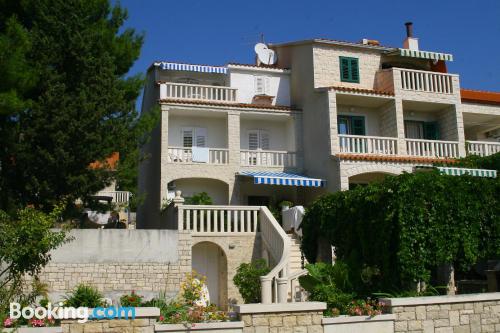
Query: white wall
x=244 y=81
x=421 y=116
x=281 y=135
x=372 y=117
x=216 y=130
x=217 y=190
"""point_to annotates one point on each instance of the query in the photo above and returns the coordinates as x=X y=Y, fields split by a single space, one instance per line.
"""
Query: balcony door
x=421 y=130
x=258 y=140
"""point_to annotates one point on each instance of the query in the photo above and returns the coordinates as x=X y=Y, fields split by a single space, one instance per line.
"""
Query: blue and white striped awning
x=282 y=178
x=174 y=66
x=423 y=54
x=473 y=172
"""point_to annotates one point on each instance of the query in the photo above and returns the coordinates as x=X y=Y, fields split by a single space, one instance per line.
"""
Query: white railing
x=274 y=286
x=482 y=148
x=197 y=92
x=218 y=219
x=426 y=81
x=185 y=155
x=360 y=144
x=297 y=293
x=268 y=158
x=120 y=197
x=432 y=148
x=236 y=220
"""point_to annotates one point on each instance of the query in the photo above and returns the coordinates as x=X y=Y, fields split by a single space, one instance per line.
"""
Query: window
x=349 y=69
x=353 y=125
x=262 y=84
x=194 y=137
x=258 y=140
x=421 y=130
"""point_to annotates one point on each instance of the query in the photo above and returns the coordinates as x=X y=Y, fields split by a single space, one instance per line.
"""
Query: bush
x=84 y=295
x=131 y=300
x=247 y=279
x=201 y=198
x=394 y=234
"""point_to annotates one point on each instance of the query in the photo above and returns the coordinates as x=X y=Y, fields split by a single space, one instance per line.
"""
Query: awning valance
x=472 y=172
x=423 y=54
x=191 y=68
x=282 y=178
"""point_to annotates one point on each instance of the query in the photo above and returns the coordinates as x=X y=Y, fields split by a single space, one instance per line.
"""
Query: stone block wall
x=121 y=271
x=447 y=314
x=304 y=317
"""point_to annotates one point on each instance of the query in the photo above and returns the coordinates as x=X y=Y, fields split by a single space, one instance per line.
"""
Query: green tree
x=82 y=106
x=26 y=240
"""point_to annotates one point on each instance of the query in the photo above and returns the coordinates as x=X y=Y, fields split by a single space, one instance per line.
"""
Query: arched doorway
x=209 y=260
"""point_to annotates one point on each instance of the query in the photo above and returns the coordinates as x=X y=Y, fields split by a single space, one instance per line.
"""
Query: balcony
x=415 y=81
x=432 y=148
x=426 y=81
x=182 y=155
x=268 y=158
x=119 y=197
x=482 y=148
x=196 y=92
x=361 y=144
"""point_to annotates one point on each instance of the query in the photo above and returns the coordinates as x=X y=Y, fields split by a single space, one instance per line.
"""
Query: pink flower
x=37 y=323
x=8 y=322
x=162 y=318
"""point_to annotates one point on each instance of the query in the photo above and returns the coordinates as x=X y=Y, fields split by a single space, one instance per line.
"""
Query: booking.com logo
x=83 y=314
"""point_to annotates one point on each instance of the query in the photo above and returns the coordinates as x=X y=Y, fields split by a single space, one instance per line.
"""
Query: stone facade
x=122 y=275
x=447 y=314
x=303 y=317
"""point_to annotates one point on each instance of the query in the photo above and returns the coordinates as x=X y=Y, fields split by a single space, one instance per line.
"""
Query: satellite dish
x=265 y=55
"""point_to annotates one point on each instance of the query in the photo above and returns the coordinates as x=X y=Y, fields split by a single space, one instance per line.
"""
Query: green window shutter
x=431 y=131
x=354 y=69
x=358 y=125
x=344 y=69
x=349 y=69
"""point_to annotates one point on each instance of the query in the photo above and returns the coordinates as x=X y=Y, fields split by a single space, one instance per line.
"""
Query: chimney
x=410 y=42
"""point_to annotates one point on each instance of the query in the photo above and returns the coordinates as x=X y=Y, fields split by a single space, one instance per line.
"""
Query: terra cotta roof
x=110 y=162
x=237 y=105
x=360 y=90
x=477 y=96
x=390 y=158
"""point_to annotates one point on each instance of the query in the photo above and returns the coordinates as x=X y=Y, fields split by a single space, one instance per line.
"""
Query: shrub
x=247 y=279
x=201 y=198
x=131 y=300
x=84 y=295
x=396 y=232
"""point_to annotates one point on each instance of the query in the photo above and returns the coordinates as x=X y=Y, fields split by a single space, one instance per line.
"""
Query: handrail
x=431 y=141
x=291 y=278
x=277 y=241
x=197 y=92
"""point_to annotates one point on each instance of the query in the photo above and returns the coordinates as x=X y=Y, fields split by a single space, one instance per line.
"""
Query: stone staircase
x=299 y=295
x=295 y=254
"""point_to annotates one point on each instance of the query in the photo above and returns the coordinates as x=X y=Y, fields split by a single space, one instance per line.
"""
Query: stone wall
x=156 y=261
x=144 y=322
x=447 y=314
x=304 y=317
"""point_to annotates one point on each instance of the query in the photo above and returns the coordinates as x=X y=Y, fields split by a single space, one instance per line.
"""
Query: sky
x=220 y=31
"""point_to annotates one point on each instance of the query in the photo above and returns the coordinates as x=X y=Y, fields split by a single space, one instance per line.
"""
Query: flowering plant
x=131 y=300
x=364 y=308
x=8 y=322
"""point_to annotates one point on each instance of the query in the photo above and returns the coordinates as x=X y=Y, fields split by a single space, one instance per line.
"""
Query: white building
x=340 y=113
x=327 y=116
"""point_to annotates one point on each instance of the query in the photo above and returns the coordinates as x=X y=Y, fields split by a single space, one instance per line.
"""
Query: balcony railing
x=119 y=197
x=360 y=144
x=268 y=158
x=426 y=81
x=482 y=148
x=432 y=148
x=185 y=155
x=197 y=92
